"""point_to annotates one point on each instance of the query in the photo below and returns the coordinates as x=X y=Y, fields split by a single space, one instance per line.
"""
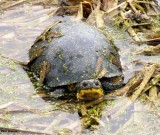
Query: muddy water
x=22 y=107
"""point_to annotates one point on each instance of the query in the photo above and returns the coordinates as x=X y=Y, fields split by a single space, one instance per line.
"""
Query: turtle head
x=89 y=90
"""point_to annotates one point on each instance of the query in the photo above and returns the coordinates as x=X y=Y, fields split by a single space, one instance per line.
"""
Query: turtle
x=76 y=56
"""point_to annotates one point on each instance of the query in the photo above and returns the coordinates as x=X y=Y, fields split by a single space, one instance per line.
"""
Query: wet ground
x=24 y=110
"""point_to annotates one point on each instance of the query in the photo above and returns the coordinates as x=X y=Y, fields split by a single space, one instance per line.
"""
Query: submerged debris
x=150 y=51
x=137 y=17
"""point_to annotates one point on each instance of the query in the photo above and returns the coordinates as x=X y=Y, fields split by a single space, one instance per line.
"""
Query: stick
x=141 y=24
x=83 y=110
x=99 y=16
x=132 y=7
x=2 y=129
x=13 y=4
x=6 y=105
x=151 y=50
x=133 y=34
x=145 y=2
x=153 y=92
x=47 y=29
x=24 y=109
x=147 y=75
x=132 y=84
x=156 y=79
x=152 y=40
x=122 y=15
x=123 y=4
x=19 y=111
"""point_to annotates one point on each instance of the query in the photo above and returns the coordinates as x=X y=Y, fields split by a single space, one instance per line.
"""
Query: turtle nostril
x=85 y=84
x=96 y=83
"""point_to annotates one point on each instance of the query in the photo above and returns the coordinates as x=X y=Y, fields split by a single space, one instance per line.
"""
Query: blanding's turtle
x=77 y=56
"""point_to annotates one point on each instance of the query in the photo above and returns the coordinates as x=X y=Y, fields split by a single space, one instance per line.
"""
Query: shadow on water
x=25 y=110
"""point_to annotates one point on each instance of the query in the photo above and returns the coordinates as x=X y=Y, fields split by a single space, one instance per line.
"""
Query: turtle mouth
x=90 y=94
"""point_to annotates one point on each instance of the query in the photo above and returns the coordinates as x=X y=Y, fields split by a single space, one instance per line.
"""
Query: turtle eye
x=96 y=83
x=85 y=84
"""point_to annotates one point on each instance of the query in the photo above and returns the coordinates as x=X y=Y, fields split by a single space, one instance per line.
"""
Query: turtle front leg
x=58 y=92
x=111 y=84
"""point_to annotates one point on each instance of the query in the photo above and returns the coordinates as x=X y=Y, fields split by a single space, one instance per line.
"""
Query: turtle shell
x=73 y=56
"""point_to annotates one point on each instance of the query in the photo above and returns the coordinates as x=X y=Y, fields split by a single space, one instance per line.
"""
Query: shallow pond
x=25 y=110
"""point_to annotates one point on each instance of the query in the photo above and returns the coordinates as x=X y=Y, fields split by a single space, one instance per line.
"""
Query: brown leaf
x=53 y=35
x=43 y=35
x=37 y=53
x=45 y=68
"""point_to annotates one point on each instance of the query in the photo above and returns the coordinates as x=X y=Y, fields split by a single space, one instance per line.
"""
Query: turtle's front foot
x=111 y=84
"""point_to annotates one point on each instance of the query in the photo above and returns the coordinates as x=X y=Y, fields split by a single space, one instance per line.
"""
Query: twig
x=123 y=4
x=145 y=2
x=3 y=109
x=132 y=7
x=2 y=129
x=152 y=40
x=47 y=29
x=147 y=87
x=6 y=105
x=152 y=102
x=154 y=34
x=80 y=13
x=141 y=24
x=151 y=50
x=147 y=75
x=83 y=110
x=45 y=17
x=20 y=111
x=132 y=84
x=133 y=34
x=156 y=79
x=122 y=15
x=99 y=16
x=140 y=8
x=12 y=4
x=153 y=92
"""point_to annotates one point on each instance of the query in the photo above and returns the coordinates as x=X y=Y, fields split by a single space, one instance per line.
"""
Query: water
x=22 y=107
